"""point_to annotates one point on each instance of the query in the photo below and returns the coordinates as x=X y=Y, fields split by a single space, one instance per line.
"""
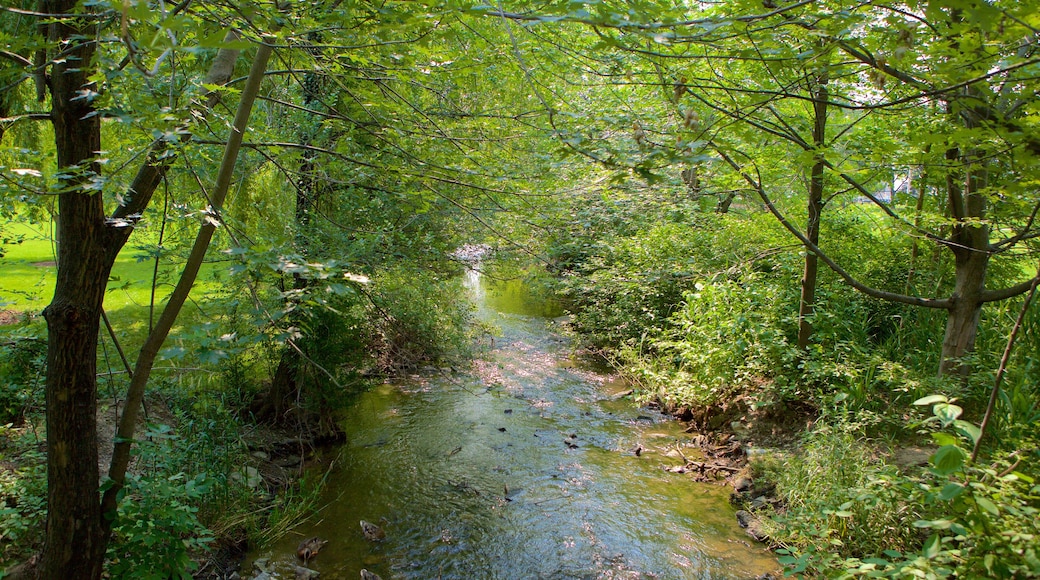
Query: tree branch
x=1003 y=366
x=16 y=58
x=1005 y=293
x=848 y=278
x=148 y=177
x=150 y=350
x=1023 y=235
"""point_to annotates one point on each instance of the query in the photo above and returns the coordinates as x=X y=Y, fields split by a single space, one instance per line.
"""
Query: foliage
x=728 y=337
x=23 y=494
x=840 y=499
x=292 y=507
x=396 y=130
x=157 y=531
x=847 y=513
x=22 y=355
x=419 y=318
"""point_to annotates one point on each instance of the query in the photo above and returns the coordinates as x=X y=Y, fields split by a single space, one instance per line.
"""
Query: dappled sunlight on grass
x=27 y=283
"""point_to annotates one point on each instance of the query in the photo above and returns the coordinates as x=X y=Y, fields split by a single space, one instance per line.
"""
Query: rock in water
x=744 y=518
x=306 y=573
x=366 y=575
x=372 y=532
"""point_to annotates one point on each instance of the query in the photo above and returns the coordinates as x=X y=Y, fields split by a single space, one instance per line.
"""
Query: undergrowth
x=700 y=312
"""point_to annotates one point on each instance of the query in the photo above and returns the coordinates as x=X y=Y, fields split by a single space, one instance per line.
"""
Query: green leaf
x=931 y=546
x=931 y=399
x=936 y=524
x=947 y=459
x=944 y=438
x=946 y=412
x=950 y=491
x=968 y=429
x=987 y=505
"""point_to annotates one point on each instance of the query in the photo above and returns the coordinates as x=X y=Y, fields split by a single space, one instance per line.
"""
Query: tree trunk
x=915 y=249
x=963 y=321
x=150 y=349
x=74 y=545
x=970 y=247
x=807 y=302
x=725 y=202
x=88 y=243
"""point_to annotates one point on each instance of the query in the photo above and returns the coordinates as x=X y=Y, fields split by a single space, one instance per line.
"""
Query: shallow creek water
x=521 y=468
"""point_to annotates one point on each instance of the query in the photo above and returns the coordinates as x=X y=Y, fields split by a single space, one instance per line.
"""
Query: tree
x=78 y=524
x=890 y=63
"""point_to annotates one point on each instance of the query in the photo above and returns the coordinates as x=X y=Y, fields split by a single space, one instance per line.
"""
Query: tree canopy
x=385 y=134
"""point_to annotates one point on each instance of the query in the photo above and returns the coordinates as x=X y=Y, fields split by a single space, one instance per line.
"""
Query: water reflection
x=521 y=468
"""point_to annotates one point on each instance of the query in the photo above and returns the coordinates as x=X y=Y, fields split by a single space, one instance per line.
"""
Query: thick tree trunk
x=74 y=545
x=88 y=243
x=806 y=305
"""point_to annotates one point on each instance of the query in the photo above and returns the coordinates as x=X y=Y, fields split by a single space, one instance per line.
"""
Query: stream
x=521 y=467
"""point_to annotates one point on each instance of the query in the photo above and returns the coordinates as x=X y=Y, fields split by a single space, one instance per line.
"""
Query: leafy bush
x=23 y=496
x=727 y=337
x=418 y=317
x=157 y=529
x=840 y=500
x=22 y=365
x=851 y=515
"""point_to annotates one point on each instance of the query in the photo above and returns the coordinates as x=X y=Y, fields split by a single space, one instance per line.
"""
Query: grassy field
x=27 y=276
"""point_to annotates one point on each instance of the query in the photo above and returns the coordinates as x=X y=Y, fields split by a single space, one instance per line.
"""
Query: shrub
x=851 y=515
x=726 y=337
x=23 y=496
x=22 y=364
x=418 y=318
x=157 y=529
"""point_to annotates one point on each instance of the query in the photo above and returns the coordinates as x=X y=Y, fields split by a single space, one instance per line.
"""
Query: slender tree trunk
x=970 y=246
x=150 y=350
x=963 y=321
x=284 y=394
x=915 y=249
x=807 y=303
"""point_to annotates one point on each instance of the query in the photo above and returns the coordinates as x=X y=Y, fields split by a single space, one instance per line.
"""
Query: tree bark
x=73 y=546
x=807 y=303
x=970 y=247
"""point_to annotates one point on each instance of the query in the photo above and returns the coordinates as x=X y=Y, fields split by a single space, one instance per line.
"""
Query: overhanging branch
x=844 y=274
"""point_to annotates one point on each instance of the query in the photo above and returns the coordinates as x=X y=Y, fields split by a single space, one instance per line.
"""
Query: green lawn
x=27 y=275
